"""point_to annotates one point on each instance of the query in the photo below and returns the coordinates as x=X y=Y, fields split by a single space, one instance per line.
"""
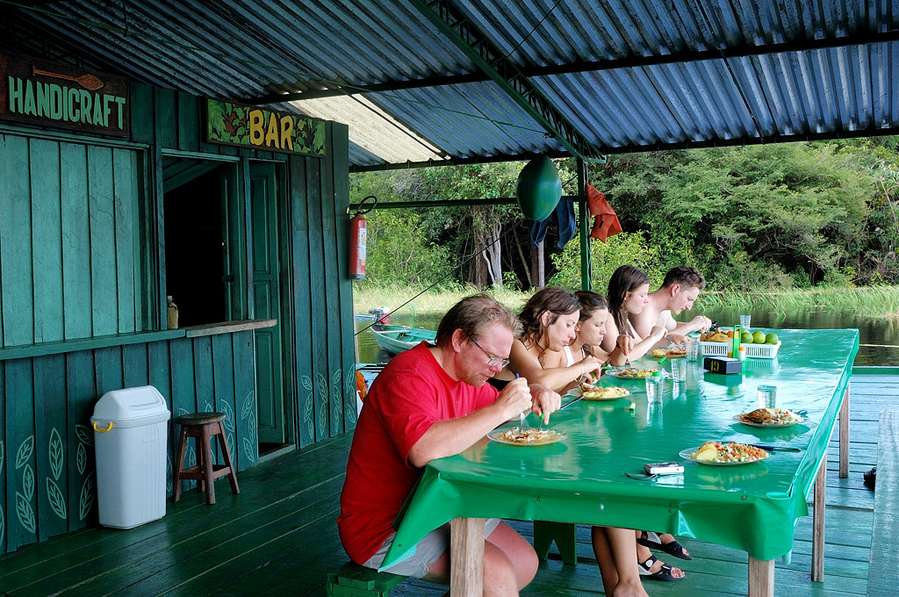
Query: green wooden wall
x=47 y=461
x=82 y=260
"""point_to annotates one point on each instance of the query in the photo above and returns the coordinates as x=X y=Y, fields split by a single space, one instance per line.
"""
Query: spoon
x=88 y=81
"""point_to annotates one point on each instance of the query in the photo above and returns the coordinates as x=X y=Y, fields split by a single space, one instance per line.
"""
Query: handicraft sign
x=258 y=128
x=59 y=95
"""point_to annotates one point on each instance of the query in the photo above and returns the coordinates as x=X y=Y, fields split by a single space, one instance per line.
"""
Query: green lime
x=759 y=337
x=771 y=339
x=746 y=338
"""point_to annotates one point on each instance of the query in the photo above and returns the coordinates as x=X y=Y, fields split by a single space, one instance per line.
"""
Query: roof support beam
x=855 y=39
x=491 y=60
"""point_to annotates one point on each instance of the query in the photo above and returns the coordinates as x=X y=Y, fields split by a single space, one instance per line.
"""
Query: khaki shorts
x=427 y=551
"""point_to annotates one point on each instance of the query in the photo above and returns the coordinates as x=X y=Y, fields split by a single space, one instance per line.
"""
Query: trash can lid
x=131 y=407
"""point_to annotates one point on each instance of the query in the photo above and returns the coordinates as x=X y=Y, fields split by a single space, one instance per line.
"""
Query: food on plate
x=604 y=393
x=770 y=416
x=674 y=351
x=528 y=436
x=729 y=452
x=586 y=386
x=631 y=372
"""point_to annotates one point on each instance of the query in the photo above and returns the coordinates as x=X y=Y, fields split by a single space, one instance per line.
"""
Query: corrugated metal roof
x=627 y=75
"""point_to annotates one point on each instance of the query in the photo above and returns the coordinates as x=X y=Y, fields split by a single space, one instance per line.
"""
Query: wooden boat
x=397 y=338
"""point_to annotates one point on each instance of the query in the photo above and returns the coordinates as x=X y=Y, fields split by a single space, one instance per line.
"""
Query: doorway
x=195 y=246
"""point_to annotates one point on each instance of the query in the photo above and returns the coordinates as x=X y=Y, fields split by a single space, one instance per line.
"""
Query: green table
x=752 y=507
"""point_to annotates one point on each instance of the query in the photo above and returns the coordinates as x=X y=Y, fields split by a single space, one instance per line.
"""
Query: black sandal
x=663 y=574
x=653 y=541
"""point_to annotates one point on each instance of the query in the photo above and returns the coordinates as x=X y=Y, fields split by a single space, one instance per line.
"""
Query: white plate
x=581 y=393
x=769 y=425
x=617 y=373
x=497 y=436
x=685 y=454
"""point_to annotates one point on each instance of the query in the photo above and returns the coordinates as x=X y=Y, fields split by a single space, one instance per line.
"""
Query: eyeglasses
x=492 y=361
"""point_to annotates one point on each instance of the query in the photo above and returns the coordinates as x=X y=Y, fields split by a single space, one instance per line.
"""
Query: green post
x=586 y=267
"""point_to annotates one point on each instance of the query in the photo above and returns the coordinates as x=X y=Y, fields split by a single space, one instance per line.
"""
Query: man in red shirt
x=427 y=403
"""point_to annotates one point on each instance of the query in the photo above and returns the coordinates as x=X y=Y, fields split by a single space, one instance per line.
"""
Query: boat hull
x=396 y=339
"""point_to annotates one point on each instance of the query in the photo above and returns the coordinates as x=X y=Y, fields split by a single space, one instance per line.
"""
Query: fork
x=520 y=415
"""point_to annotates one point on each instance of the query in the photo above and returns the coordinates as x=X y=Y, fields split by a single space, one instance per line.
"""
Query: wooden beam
x=467 y=557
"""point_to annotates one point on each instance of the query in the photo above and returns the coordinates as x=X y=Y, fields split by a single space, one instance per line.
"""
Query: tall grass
x=873 y=301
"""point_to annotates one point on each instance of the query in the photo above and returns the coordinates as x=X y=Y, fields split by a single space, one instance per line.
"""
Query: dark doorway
x=194 y=250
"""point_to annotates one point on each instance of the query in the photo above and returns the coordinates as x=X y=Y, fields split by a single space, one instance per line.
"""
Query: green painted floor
x=278 y=537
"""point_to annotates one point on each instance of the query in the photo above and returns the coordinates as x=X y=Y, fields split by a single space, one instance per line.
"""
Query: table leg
x=818 y=512
x=467 y=557
x=844 y=436
x=761 y=578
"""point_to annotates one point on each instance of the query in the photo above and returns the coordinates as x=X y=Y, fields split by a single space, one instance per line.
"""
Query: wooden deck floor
x=279 y=536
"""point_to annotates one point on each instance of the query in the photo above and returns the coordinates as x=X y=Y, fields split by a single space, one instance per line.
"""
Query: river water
x=878 y=336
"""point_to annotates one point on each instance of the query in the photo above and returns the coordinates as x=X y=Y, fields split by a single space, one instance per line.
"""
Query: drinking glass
x=678 y=370
x=693 y=350
x=744 y=322
x=653 y=389
x=767 y=396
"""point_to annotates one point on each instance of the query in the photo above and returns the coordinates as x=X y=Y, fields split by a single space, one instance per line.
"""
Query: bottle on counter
x=741 y=353
x=171 y=313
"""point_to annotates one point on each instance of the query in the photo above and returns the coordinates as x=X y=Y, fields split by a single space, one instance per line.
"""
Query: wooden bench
x=884 y=550
x=353 y=580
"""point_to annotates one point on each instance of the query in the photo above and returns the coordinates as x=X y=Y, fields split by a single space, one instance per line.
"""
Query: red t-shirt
x=408 y=396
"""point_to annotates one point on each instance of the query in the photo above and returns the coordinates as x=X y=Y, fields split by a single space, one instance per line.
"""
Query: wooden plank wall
x=82 y=256
x=69 y=254
x=47 y=459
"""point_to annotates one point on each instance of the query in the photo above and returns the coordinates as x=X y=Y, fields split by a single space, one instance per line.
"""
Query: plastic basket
x=753 y=351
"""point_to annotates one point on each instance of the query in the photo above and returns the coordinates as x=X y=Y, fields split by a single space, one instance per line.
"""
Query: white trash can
x=130 y=432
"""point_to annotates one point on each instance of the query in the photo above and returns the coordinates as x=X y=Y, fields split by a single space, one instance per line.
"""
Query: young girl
x=549 y=321
x=628 y=293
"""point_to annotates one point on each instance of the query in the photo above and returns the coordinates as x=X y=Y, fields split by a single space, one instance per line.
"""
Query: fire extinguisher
x=358 y=233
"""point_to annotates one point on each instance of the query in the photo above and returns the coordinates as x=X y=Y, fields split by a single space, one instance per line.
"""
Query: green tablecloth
x=752 y=507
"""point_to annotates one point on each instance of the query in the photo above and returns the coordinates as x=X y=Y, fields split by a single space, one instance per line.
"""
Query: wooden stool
x=203 y=426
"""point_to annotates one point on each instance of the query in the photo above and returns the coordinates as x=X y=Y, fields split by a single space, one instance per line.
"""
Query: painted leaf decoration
x=2 y=526
x=26 y=449
x=322 y=384
x=251 y=425
x=229 y=417
x=56 y=454
x=25 y=512
x=309 y=416
x=229 y=437
x=208 y=407
x=28 y=481
x=183 y=411
x=81 y=459
x=56 y=498
x=2 y=460
x=249 y=405
x=248 y=449
x=86 y=499
x=307 y=382
x=335 y=378
x=84 y=435
x=169 y=473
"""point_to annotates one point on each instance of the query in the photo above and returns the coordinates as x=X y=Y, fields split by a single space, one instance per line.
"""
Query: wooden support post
x=844 y=436
x=761 y=578
x=819 y=506
x=467 y=557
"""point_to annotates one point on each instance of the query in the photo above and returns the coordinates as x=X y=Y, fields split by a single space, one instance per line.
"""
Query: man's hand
x=544 y=401
x=515 y=398
x=700 y=323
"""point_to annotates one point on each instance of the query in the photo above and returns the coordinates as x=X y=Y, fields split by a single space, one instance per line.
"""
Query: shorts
x=427 y=551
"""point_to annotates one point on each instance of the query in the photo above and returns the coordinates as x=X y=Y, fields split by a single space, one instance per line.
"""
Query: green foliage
x=751 y=218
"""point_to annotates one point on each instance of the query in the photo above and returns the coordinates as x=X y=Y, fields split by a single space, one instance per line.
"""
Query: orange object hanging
x=606 y=223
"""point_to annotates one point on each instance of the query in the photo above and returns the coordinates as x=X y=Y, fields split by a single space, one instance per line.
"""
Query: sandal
x=663 y=574
x=653 y=541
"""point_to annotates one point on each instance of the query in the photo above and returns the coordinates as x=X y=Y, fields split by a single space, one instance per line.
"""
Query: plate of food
x=632 y=373
x=769 y=417
x=672 y=353
x=601 y=393
x=526 y=437
x=714 y=453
